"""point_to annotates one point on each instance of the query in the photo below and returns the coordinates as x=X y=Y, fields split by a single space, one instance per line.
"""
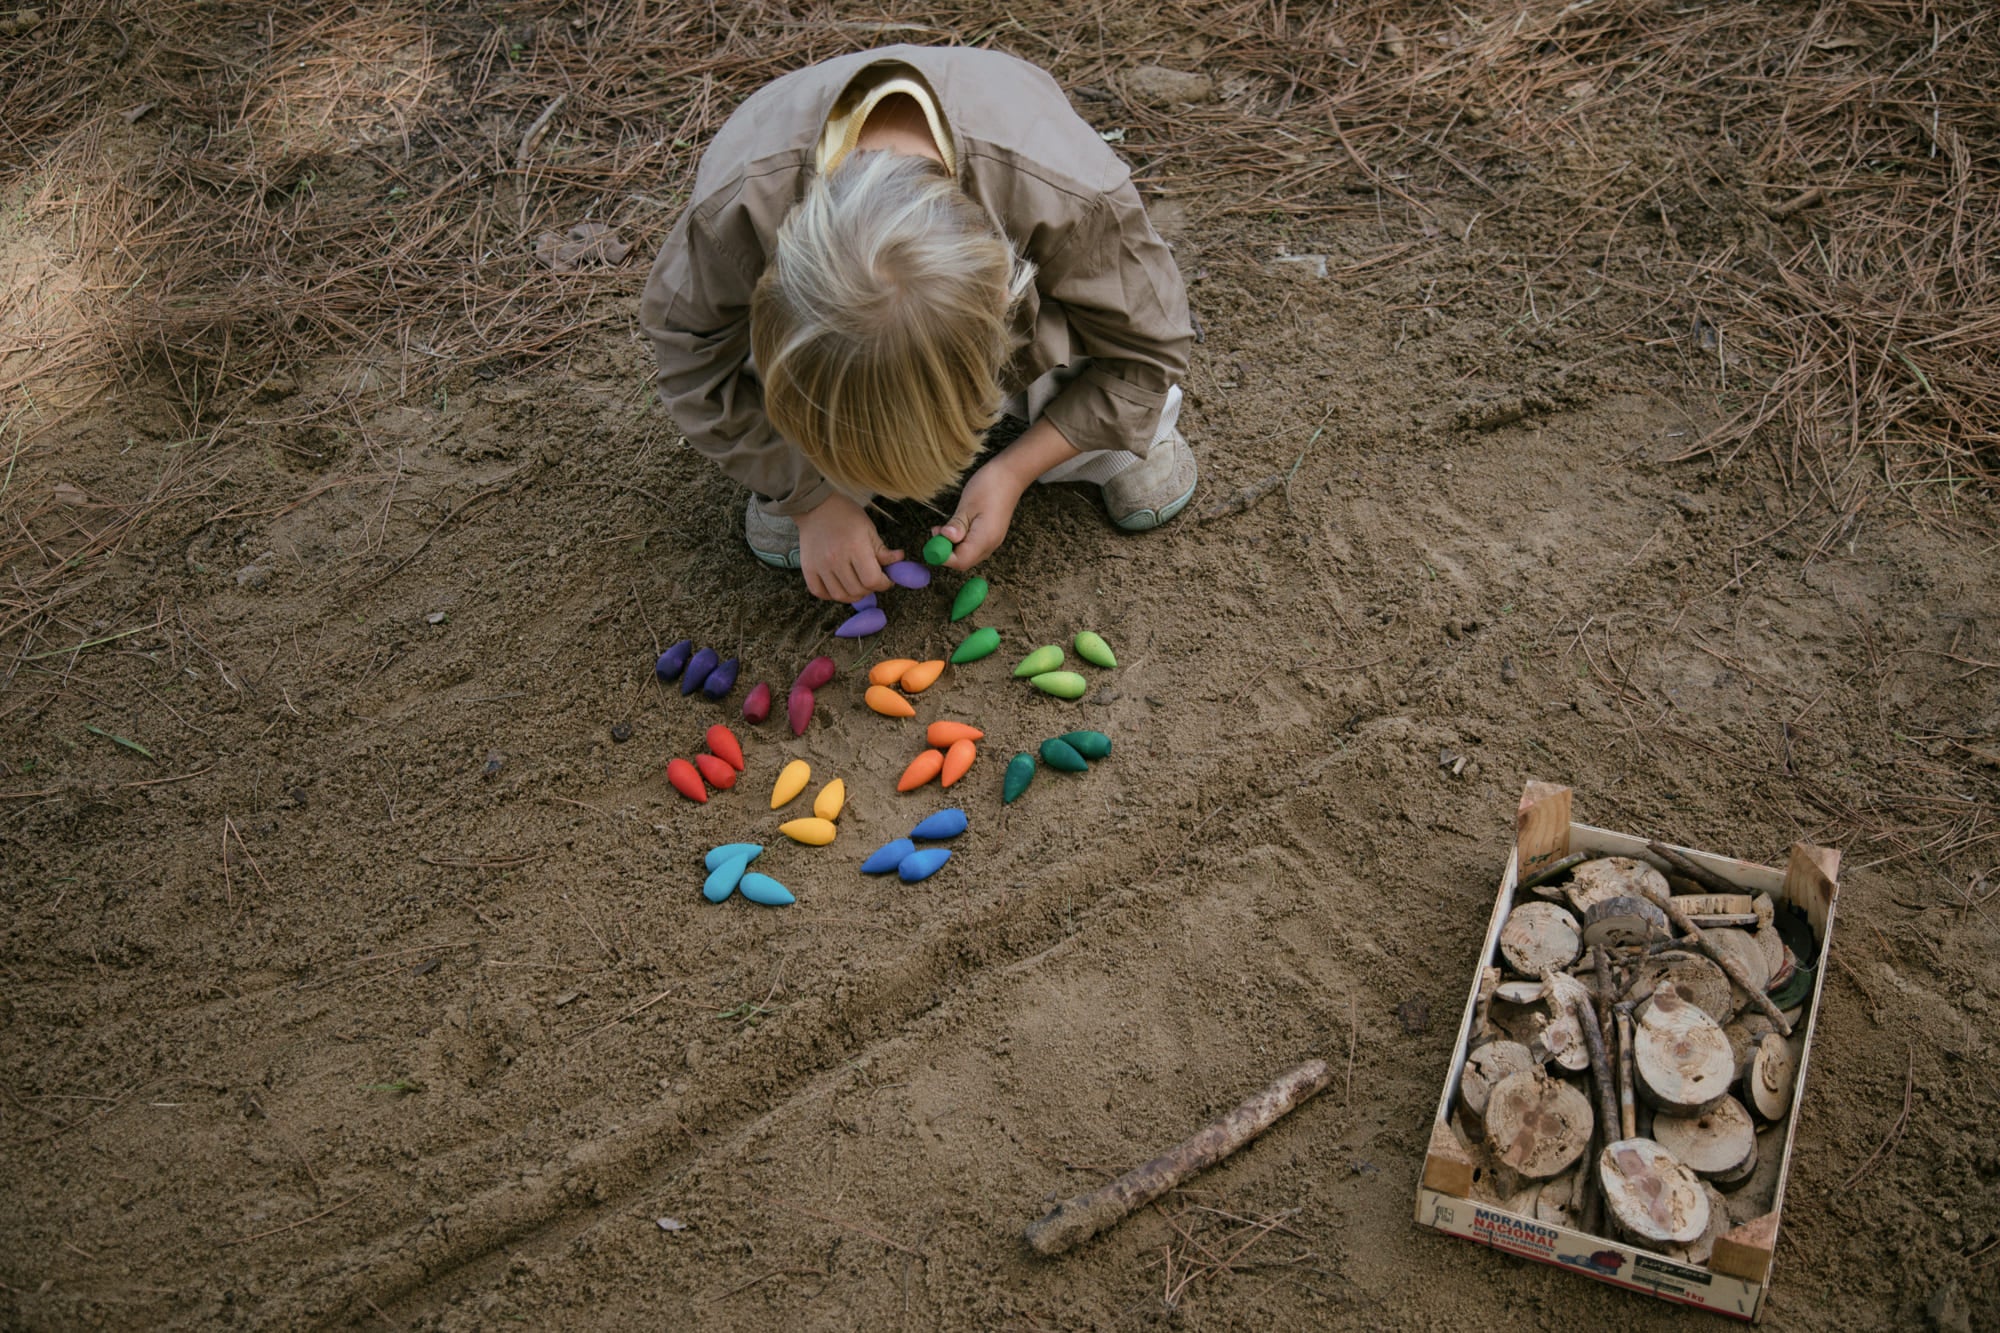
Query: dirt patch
x=357 y=973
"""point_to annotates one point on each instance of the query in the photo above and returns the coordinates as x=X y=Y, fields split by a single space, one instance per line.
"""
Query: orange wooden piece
x=717 y=770
x=921 y=770
x=722 y=743
x=921 y=676
x=686 y=781
x=891 y=671
x=942 y=734
x=956 y=760
x=887 y=702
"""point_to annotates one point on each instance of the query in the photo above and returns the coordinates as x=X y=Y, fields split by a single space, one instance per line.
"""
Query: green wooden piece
x=1059 y=753
x=1092 y=648
x=1089 y=744
x=980 y=643
x=1062 y=684
x=968 y=599
x=1046 y=658
x=937 y=550
x=1020 y=772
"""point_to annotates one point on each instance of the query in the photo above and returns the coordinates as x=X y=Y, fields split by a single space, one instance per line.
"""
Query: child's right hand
x=841 y=553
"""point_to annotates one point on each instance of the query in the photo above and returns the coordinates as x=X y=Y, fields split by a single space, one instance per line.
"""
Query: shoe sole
x=775 y=560
x=1147 y=519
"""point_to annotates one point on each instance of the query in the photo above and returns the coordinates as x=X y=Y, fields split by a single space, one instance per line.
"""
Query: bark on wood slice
x=1622 y=922
x=1696 y=978
x=1485 y=1068
x=1730 y=1180
x=1768 y=1081
x=1772 y=946
x=1718 y=1142
x=1680 y=1056
x=1652 y=1196
x=1740 y=948
x=1539 y=938
x=1715 y=904
x=1612 y=877
x=1699 y=1250
x=1536 y=1125
x=1744 y=1032
x=1557 y=1203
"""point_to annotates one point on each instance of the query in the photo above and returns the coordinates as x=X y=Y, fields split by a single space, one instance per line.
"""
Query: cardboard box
x=1738 y=1274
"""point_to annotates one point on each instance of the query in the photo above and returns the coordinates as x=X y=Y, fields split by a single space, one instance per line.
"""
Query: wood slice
x=1537 y=1126
x=1522 y=1202
x=1768 y=1081
x=1772 y=946
x=1485 y=1067
x=1557 y=1203
x=1539 y=938
x=1696 y=978
x=1621 y=922
x=1680 y=1056
x=1719 y=1141
x=1731 y=1180
x=1744 y=1032
x=1613 y=877
x=1740 y=948
x=1650 y=1194
x=1521 y=992
x=1699 y=1250
x=1561 y=1040
x=1715 y=904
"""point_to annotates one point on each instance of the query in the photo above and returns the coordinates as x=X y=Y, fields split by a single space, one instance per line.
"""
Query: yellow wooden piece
x=887 y=702
x=922 y=676
x=811 y=832
x=831 y=797
x=791 y=782
x=891 y=671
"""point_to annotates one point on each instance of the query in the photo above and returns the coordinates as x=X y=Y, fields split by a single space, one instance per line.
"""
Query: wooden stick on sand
x=1077 y=1220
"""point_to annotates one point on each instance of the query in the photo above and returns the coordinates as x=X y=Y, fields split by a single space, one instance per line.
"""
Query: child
x=882 y=254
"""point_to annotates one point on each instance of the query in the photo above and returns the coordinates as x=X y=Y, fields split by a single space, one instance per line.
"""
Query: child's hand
x=841 y=553
x=985 y=510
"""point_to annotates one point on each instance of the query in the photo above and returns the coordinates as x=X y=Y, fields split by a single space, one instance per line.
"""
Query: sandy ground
x=379 y=990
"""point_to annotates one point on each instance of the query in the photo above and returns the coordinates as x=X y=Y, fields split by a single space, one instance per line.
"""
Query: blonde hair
x=881 y=325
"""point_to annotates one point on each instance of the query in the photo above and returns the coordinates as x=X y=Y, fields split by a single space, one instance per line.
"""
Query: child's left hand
x=985 y=510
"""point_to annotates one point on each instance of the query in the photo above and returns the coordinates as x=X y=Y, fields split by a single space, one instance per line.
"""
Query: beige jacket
x=1106 y=285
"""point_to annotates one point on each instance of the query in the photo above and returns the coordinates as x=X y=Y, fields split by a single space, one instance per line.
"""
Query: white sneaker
x=773 y=538
x=1143 y=497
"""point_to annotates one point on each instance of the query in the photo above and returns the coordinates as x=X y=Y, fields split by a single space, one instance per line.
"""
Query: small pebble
x=721 y=680
x=686 y=780
x=621 y=732
x=1089 y=744
x=722 y=743
x=969 y=598
x=1062 y=684
x=887 y=857
x=890 y=671
x=765 y=890
x=908 y=574
x=674 y=661
x=946 y=823
x=436 y=618
x=729 y=851
x=980 y=643
x=757 y=704
x=1093 y=649
x=1509 y=673
x=791 y=781
x=938 y=550
x=921 y=865
x=813 y=832
x=887 y=702
x=723 y=879
x=699 y=668
x=1020 y=772
x=862 y=624
x=1060 y=754
x=1044 y=659
x=921 y=770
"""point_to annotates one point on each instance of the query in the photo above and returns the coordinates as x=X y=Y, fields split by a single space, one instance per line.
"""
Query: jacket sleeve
x=1127 y=310
x=696 y=313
